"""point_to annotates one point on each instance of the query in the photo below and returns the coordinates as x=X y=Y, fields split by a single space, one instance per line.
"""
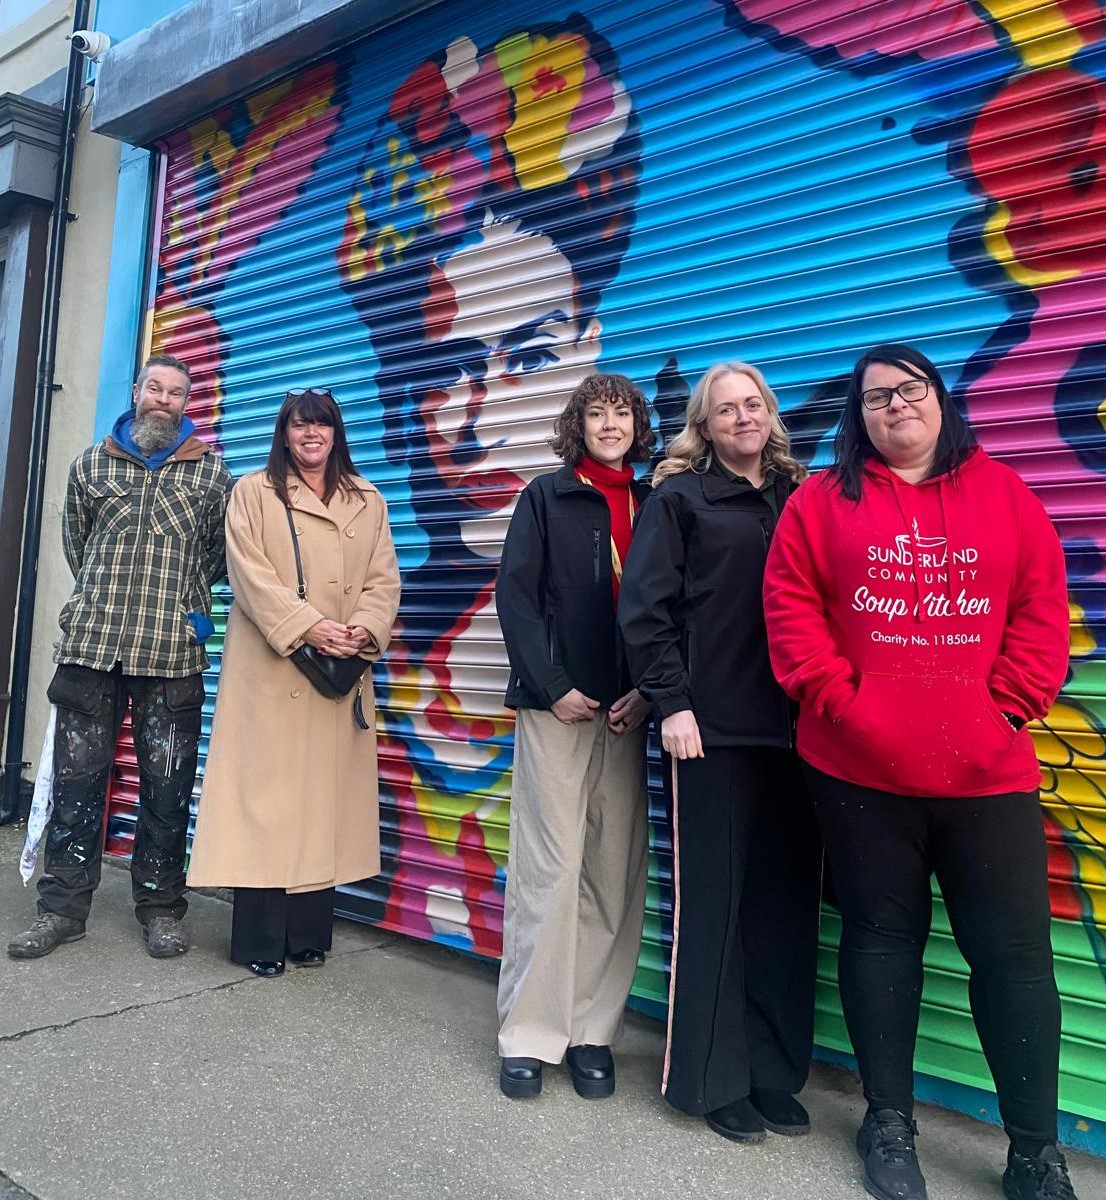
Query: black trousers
x=268 y=924
x=166 y=717
x=747 y=880
x=988 y=854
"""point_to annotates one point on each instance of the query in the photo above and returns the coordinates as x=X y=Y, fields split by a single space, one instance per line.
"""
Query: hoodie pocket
x=927 y=735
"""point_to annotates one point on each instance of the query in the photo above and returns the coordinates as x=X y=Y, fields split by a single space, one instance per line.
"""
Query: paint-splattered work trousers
x=747 y=880
x=166 y=715
x=990 y=859
x=575 y=897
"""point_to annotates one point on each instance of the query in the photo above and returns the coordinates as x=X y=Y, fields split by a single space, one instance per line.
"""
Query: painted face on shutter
x=502 y=320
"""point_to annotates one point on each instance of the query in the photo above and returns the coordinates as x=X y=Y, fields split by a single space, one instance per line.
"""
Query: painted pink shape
x=1012 y=407
x=213 y=239
x=596 y=103
x=932 y=29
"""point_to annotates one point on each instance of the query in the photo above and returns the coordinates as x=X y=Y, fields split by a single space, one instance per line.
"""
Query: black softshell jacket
x=691 y=612
x=554 y=598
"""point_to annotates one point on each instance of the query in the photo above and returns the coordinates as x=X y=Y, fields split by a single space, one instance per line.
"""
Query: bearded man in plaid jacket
x=143 y=535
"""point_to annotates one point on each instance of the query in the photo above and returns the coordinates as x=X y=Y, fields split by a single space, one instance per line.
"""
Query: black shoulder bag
x=330 y=676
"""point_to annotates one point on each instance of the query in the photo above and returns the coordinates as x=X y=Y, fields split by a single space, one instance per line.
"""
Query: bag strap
x=301 y=587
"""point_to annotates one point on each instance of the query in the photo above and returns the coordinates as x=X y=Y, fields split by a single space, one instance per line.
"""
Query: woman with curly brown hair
x=578 y=845
x=745 y=845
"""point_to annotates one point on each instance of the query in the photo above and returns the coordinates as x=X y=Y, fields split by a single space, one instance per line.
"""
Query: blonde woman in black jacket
x=746 y=869
x=578 y=846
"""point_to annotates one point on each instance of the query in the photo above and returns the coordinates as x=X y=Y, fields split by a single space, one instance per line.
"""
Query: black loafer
x=780 y=1111
x=520 y=1077
x=739 y=1121
x=592 y=1071
x=308 y=958
x=267 y=970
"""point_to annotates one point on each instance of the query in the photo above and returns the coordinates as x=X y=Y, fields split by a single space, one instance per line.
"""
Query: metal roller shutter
x=651 y=188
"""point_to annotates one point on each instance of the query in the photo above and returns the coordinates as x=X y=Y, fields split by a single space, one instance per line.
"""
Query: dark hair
x=852 y=446
x=567 y=442
x=319 y=406
x=166 y=360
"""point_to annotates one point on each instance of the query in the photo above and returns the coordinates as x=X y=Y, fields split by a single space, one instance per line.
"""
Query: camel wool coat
x=289 y=796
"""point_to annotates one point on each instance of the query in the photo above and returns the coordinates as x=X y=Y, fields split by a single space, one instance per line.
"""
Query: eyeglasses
x=911 y=391
x=319 y=393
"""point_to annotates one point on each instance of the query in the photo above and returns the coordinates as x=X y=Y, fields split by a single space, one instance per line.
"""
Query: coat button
x=295 y=693
x=348 y=588
x=349 y=533
x=299 y=531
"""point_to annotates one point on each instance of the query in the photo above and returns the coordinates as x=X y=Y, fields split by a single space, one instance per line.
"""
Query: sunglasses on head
x=319 y=393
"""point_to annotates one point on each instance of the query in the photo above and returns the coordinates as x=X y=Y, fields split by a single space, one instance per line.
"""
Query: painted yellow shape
x=244 y=167
x=547 y=78
x=433 y=194
x=999 y=248
x=404 y=687
x=174 y=234
x=1102 y=413
x=211 y=141
x=1066 y=738
x=1082 y=643
x=389 y=237
x=1043 y=36
x=257 y=106
x=355 y=260
x=1069 y=737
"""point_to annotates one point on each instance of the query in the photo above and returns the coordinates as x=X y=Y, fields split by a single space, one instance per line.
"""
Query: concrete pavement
x=124 y=1078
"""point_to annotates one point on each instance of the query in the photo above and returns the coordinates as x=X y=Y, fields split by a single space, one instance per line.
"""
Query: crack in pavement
x=118 y=1012
x=127 y=1008
x=9 y=1190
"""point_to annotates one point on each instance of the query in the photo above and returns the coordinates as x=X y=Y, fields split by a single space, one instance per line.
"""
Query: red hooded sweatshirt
x=908 y=623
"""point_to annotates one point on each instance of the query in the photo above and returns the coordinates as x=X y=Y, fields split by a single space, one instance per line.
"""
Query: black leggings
x=988 y=853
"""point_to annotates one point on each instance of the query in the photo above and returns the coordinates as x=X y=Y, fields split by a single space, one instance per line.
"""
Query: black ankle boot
x=739 y=1121
x=885 y=1144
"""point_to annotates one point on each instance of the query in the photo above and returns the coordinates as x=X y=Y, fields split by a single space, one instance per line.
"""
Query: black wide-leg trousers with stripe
x=746 y=883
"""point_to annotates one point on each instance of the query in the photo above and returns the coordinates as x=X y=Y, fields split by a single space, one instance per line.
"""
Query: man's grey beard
x=152 y=434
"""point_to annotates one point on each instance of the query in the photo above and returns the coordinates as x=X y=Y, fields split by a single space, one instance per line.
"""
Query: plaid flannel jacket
x=145 y=547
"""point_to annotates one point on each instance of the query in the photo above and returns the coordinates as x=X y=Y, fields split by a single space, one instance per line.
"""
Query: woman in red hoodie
x=917 y=609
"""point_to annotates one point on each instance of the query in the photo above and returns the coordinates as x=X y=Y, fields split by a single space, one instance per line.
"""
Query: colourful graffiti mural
x=1034 y=390
x=452 y=224
x=256 y=153
x=455 y=189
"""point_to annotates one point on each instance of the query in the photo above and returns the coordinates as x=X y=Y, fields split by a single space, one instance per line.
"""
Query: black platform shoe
x=592 y=1071
x=267 y=970
x=520 y=1077
x=308 y=958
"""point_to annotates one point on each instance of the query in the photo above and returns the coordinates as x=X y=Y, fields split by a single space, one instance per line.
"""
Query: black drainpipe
x=40 y=429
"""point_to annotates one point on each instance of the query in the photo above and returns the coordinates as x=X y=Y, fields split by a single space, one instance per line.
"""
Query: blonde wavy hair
x=689 y=450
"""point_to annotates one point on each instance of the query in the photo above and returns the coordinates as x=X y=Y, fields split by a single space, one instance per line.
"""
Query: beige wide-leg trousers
x=575 y=897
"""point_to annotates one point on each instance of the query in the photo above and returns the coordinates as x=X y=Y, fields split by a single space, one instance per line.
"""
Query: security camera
x=91 y=44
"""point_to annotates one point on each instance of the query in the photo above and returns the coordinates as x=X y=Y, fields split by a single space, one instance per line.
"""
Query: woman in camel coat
x=289 y=802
